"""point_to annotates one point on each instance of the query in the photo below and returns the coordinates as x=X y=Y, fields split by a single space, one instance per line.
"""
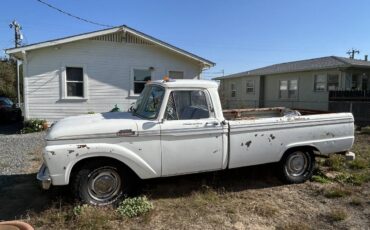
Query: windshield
x=149 y=102
x=6 y=101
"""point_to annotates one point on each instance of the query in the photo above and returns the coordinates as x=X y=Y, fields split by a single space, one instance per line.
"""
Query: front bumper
x=43 y=176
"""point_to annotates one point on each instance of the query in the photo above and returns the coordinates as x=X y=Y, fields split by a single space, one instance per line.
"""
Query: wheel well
x=311 y=149
x=108 y=160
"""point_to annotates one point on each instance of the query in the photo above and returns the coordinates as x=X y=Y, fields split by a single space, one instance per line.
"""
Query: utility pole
x=352 y=53
x=18 y=41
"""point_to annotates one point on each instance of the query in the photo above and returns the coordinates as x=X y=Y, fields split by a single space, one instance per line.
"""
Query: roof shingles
x=303 y=65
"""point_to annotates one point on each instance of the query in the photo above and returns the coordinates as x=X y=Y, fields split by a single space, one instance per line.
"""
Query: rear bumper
x=43 y=176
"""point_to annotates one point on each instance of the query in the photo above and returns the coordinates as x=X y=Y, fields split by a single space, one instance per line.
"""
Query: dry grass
x=336 y=192
x=337 y=215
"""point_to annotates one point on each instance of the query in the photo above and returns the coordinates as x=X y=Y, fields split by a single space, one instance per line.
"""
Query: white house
x=93 y=72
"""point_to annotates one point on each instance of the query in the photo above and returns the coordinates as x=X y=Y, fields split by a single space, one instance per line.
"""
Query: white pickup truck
x=178 y=127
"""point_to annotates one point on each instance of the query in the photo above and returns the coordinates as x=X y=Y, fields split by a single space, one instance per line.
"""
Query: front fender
x=60 y=159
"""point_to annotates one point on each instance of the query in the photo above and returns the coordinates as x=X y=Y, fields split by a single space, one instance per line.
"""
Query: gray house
x=307 y=84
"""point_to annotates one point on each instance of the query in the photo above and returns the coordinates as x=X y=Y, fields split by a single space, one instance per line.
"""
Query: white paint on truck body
x=159 y=147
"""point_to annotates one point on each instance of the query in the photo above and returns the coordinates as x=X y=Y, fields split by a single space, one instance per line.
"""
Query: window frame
x=132 y=78
x=208 y=100
x=171 y=70
x=233 y=89
x=253 y=87
x=326 y=82
x=331 y=82
x=288 y=89
x=315 y=82
x=64 y=88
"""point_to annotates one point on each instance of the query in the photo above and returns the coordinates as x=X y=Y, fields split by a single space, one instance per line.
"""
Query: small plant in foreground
x=337 y=215
x=320 y=179
x=355 y=202
x=354 y=179
x=335 y=162
x=358 y=164
x=336 y=193
x=136 y=206
x=34 y=125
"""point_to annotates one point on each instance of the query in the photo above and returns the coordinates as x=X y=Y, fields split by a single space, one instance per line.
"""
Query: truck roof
x=186 y=83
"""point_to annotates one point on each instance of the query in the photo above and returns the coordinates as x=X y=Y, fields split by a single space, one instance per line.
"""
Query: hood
x=93 y=126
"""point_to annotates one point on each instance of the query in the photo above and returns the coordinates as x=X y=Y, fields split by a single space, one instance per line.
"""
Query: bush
x=136 y=206
x=34 y=125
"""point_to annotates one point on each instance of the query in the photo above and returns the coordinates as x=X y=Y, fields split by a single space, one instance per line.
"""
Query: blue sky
x=236 y=34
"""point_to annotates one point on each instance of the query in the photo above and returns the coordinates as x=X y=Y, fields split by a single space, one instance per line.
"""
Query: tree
x=8 y=78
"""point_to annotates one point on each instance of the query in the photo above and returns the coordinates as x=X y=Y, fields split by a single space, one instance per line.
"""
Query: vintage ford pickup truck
x=178 y=127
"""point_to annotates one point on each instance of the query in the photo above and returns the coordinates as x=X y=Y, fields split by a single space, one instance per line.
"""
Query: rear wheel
x=101 y=183
x=297 y=166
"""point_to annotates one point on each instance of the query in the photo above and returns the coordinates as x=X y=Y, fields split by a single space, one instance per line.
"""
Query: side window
x=74 y=82
x=187 y=105
x=141 y=77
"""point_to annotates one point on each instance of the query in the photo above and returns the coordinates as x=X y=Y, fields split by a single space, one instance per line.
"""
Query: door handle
x=126 y=133
x=214 y=123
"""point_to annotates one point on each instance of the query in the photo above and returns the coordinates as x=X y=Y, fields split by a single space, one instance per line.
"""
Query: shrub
x=136 y=206
x=355 y=178
x=320 y=179
x=335 y=162
x=34 y=125
x=336 y=193
x=337 y=215
x=358 y=164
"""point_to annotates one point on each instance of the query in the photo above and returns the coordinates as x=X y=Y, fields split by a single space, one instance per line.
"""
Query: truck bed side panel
x=265 y=140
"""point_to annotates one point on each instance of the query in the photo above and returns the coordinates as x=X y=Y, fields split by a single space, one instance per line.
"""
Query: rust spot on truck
x=248 y=143
x=70 y=151
x=272 y=136
x=255 y=134
x=330 y=134
x=83 y=146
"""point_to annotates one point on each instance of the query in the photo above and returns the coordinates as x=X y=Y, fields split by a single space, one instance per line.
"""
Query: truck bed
x=264 y=140
x=255 y=113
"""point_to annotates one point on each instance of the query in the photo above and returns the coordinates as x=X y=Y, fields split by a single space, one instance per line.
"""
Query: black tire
x=101 y=183
x=297 y=166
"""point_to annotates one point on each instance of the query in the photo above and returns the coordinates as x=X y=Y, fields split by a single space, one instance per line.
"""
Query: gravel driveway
x=17 y=152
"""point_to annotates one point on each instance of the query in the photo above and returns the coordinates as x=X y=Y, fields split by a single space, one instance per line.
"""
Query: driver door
x=191 y=137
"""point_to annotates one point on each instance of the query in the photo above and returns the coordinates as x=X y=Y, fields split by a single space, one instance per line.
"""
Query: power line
x=73 y=16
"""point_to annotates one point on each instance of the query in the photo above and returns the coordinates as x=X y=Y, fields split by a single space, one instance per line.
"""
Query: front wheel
x=101 y=183
x=297 y=166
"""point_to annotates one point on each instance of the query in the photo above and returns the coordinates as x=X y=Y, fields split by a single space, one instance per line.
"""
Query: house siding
x=108 y=66
x=242 y=99
x=268 y=91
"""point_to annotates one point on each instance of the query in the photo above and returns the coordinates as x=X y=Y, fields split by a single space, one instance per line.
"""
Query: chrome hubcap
x=297 y=164
x=104 y=184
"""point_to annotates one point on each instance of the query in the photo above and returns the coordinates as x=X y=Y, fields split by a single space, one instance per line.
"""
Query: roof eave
x=15 y=51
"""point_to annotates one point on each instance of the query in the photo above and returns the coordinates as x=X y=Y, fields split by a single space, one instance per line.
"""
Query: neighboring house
x=93 y=72
x=307 y=84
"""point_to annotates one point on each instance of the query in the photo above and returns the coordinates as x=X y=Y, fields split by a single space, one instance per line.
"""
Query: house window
x=320 y=82
x=292 y=88
x=75 y=82
x=233 y=90
x=141 y=76
x=326 y=82
x=288 y=88
x=333 y=83
x=250 y=86
x=176 y=74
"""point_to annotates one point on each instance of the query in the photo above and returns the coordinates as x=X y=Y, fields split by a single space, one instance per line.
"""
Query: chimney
x=366 y=57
